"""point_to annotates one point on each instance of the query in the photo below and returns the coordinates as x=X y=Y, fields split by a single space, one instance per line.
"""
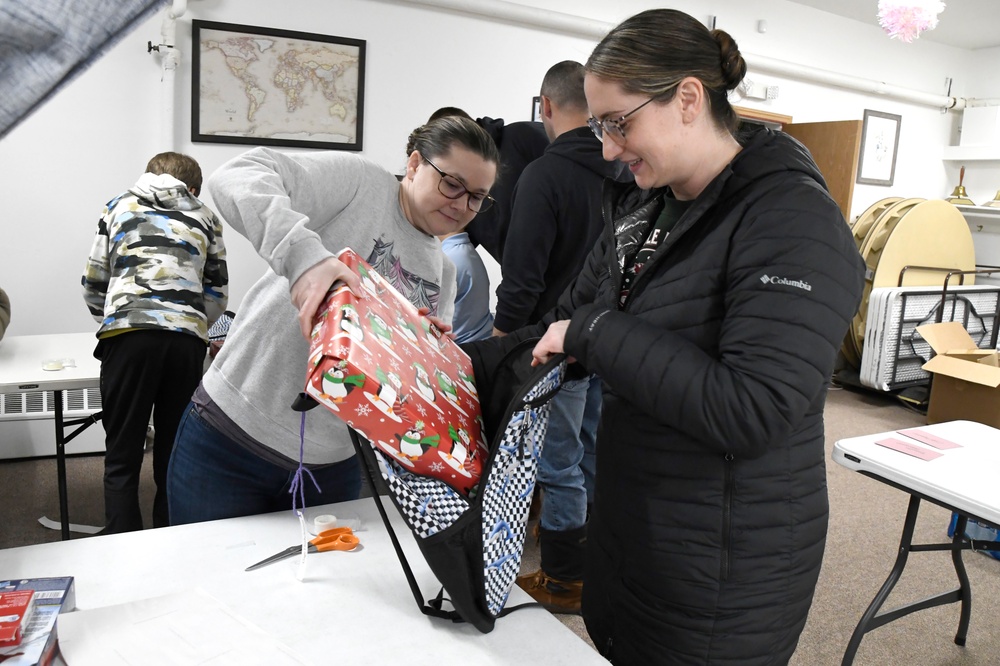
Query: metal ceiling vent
x=41 y=404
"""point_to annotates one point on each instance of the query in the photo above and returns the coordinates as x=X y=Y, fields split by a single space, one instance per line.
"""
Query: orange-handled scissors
x=338 y=538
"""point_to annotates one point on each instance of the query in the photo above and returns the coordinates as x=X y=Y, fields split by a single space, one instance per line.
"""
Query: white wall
x=982 y=179
x=93 y=139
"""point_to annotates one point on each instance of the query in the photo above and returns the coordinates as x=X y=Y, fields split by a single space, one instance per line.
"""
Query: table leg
x=62 y=439
x=61 y=465
x=897 y=570
x=873 y=619
x=965 y=590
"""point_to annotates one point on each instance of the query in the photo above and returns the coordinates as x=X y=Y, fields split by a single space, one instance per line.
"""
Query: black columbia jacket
x=711 y=509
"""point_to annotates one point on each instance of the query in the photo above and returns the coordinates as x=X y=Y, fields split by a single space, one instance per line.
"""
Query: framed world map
x=267 y=87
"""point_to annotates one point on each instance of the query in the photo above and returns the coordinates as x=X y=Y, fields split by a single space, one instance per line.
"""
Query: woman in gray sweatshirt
x=238 y=446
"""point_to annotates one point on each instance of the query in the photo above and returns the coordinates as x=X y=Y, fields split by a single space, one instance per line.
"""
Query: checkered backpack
x=474 y=545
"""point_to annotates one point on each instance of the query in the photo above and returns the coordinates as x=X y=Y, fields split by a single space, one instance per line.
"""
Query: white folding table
x=21 y=369
x=349 y=607
x=963 y=480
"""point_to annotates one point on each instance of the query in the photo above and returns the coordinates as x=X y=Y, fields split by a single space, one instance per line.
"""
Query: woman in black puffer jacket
x=712 y=308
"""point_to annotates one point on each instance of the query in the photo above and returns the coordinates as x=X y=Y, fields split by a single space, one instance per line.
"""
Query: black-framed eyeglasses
x=451 y=188
x=615 y=129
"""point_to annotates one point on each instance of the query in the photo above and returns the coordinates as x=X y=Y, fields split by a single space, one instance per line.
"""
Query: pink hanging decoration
x=906 y=19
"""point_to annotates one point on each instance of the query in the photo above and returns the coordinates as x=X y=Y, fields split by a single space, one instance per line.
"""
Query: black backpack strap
x=507 y=610
x=432 y=607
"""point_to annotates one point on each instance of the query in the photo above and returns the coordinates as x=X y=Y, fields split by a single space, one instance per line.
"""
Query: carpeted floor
x=865 y=520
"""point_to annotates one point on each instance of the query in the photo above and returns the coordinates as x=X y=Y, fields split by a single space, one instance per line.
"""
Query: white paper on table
x=172 y=630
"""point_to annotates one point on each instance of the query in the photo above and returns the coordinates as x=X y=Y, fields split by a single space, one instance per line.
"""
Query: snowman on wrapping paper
x=390 y=385
x=337 y=384
x=413 y=443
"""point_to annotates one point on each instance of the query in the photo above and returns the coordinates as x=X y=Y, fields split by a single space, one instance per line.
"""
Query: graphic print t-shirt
x=672 y=211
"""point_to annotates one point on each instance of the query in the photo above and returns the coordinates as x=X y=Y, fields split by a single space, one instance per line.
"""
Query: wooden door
x=835 y=146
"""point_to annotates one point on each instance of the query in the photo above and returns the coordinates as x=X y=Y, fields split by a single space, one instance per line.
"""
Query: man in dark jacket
x=555 y=221
x=520 y=143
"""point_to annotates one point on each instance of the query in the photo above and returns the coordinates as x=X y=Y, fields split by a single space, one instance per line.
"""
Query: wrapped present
x=390 y=374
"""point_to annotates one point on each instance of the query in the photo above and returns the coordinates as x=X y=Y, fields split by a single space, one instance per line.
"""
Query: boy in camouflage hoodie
x=156 y=280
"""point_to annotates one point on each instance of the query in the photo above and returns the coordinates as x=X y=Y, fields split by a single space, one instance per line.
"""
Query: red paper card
x=928 y=438
x=909 y=449
x=390 y=374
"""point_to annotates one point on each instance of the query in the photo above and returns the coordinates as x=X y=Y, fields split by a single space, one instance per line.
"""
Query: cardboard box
x=390 y=374
x=52 y=597
x=965 y=378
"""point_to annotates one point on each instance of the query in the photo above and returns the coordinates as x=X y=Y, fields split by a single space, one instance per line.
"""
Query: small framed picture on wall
x=879 y=144
x=536 y=109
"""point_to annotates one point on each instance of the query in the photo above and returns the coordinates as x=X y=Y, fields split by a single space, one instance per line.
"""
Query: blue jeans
x=211 y=477
x=568 y=462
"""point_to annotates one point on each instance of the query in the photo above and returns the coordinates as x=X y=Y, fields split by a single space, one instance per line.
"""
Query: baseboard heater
x=27 y=427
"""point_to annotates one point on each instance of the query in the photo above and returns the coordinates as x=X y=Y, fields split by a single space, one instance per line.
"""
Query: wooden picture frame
x=879 y=145
x=267 y=87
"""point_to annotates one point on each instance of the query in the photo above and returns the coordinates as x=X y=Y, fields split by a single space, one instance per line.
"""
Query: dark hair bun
x=734 y=67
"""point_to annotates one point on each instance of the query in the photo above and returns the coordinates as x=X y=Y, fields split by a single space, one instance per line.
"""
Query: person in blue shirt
x=472 y=319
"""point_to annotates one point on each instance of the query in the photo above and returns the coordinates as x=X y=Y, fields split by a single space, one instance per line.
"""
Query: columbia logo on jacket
x=767 y=279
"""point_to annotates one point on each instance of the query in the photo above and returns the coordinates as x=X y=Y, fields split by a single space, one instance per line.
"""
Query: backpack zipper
x=516 y=403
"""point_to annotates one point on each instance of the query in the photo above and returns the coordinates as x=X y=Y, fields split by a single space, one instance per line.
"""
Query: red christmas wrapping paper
x=390 y=374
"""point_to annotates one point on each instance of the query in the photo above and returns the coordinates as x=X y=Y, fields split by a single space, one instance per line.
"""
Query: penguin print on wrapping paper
x=468 y=382
x=407 y=330
x=318 y=324
x=424 y=389
x=433 y=336
x=350 y=322
x=422 y=381
x=390 y=386
x=380 y=329
x=459 y=453
x=315 y=345
x=371 y=281
x=447 y=387
x=338 y=384
x=411 y=384
x=382 y=333
x=414 y=443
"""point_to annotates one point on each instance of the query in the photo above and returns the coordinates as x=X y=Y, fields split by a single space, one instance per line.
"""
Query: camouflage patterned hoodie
x=158 y=261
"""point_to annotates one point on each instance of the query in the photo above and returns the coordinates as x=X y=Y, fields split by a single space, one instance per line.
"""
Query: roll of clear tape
x=323 y=522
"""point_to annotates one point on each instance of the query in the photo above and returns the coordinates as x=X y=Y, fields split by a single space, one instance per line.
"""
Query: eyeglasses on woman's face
x=452 y=189
x=614 y=128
